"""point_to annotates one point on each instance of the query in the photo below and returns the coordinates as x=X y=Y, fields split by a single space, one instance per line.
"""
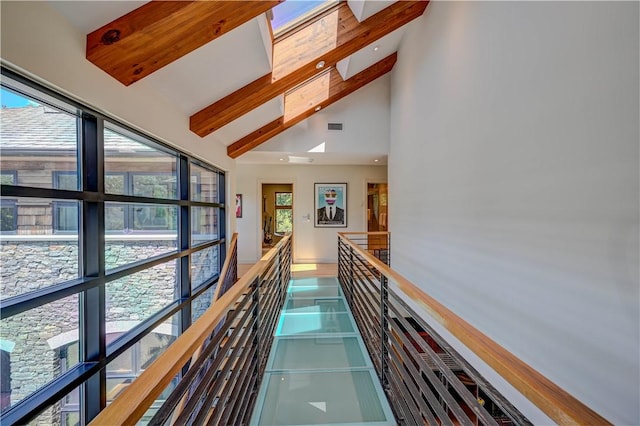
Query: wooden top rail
x=135 y=400
x=364 y=233
x=227 y=264
x=558 y=404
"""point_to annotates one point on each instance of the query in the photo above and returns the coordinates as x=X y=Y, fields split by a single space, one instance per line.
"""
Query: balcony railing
x=220 y=360
x=425 y=379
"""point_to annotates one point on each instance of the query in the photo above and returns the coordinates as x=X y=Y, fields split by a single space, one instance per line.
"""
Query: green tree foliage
x=284 y=214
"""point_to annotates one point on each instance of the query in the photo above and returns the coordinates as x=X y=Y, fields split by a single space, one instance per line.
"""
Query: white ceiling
x=215 y=70
x=229 y=63
x=88 y=16
x=364 y=58
x=363 y=9
x=255 y=119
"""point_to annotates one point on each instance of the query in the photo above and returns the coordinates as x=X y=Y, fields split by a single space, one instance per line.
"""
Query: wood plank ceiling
x=160 y=32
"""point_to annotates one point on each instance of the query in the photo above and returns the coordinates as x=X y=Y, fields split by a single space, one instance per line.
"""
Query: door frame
x=367 y=181
x=273 y=181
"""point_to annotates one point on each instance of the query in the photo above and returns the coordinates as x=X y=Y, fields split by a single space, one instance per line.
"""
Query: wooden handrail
x=557 y=403
x=135 y=400
x=232 y=253
x=233 y=247
x=364 y=233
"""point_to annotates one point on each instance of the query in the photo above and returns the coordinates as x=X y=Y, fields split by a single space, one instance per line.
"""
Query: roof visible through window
x=290 y=13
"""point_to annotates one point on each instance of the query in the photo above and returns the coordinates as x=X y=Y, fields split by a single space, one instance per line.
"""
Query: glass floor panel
x=314 y=282
x=320 y=373
x=315 y=323
x=314 y=291
x=315 y=305
x=317 y=353
x=322 y=398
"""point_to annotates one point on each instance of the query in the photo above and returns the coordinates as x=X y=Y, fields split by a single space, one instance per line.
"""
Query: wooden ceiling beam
x=256 y=138
x=159 y=32
x=350 y=36
x=333 y=88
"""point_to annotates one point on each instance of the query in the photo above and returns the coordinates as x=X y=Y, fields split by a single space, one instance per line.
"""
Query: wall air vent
x=334 y=126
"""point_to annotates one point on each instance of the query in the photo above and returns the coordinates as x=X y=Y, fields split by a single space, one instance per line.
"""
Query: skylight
x=291 y=13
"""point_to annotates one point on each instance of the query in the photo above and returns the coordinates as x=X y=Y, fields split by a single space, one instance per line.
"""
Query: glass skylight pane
x=292 y=12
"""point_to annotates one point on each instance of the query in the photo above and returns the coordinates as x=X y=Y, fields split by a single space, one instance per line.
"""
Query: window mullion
x=135 y=170
x=222 y=220
x=92 y=321
x=184 y=238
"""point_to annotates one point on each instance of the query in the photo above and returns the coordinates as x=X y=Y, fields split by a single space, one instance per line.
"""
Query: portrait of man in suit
x=331 y=202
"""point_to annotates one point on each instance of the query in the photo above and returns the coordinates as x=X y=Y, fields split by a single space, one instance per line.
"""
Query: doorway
x=277 y=213
x=377 y=217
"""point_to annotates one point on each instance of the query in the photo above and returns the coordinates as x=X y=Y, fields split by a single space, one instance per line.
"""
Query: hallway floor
x=319 y=371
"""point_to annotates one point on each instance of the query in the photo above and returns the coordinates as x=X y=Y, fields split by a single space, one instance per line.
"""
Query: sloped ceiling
x=243 y=55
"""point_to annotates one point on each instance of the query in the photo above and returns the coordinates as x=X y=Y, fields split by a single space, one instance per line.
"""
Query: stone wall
x=202 y=303
x=32 y=265
x=29 y=265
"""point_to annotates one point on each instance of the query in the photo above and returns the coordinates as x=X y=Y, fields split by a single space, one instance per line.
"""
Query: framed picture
x=238 y=205
x=330 y=205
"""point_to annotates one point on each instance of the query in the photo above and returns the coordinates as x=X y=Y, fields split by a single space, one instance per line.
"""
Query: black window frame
x=130 y=224
x=12 y=173
x=57 y=206
x=95 y=352
x=10 y=203
x=137 y=368
x=129 y=210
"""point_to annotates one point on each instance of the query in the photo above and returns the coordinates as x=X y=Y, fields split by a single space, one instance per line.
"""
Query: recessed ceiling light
x=376 y=161
x=376 y=47
x=318 y=108
x=282 y=159
x=320 y=65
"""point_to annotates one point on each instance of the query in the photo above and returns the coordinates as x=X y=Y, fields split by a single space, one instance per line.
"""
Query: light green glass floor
x=319 y=371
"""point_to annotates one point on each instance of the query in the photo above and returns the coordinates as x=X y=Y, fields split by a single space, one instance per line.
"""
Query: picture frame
x=238 y=205
x=330 y=202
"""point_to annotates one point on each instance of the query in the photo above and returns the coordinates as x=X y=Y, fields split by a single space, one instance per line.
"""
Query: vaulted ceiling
x=219 y=63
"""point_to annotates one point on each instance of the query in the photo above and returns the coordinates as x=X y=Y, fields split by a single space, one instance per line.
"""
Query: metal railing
x=425 y=379
x=377 y=243
x=219 y=361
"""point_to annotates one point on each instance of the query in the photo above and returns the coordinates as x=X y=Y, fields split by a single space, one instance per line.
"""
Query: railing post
x=389 y=250
x=340 y=259
x=256 y=330
x=351 y=274
x=279 y=268
x=384 y=315
x=279 y=275
x=289 y=261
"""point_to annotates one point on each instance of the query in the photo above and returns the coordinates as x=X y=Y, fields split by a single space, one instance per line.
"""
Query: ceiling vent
x=334 y=126
x=300 y=160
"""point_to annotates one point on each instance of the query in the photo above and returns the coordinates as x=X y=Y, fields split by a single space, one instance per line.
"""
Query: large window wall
x=111 y=245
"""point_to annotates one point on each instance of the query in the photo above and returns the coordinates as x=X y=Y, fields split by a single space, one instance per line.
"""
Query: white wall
x=514 y=190
x=37 y=39
x=311 y=245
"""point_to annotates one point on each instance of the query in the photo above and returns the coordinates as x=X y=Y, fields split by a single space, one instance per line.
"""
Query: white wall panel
x=311 y=245
x=514 y=185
